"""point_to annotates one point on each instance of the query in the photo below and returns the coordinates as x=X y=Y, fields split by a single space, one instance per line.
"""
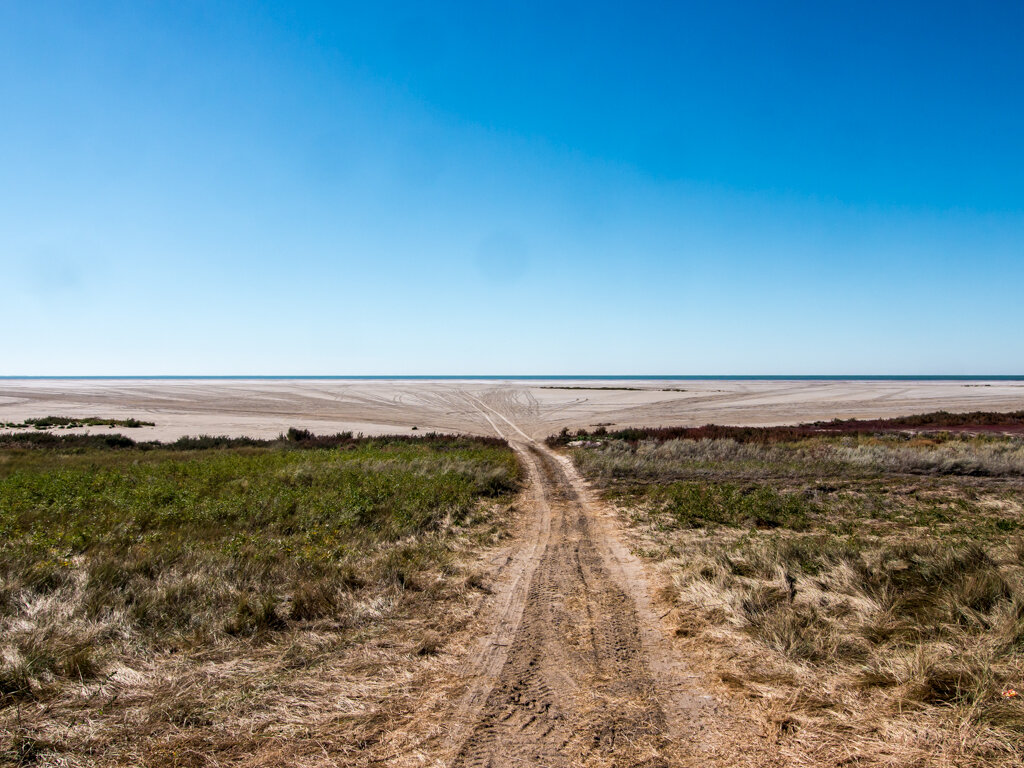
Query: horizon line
x=521 y=377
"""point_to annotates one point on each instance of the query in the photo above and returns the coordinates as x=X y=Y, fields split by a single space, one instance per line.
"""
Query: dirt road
x=578 y=670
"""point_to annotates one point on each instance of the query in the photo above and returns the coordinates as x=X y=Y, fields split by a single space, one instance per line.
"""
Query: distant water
x=581 y=377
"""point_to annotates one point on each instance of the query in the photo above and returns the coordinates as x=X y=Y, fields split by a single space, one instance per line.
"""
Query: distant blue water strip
x=517 y=377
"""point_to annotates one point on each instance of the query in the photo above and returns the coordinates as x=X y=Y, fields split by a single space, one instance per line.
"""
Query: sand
x=264 y=408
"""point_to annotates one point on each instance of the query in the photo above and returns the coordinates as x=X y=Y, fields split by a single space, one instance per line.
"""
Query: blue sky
x=400 y=188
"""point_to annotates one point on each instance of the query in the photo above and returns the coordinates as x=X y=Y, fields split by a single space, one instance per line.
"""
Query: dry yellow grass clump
x=867 y=592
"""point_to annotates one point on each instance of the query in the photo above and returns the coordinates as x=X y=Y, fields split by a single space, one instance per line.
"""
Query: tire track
x=579 y=670
x=573 y=686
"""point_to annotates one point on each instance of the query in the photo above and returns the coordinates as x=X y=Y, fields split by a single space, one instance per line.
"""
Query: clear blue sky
x=416 y=188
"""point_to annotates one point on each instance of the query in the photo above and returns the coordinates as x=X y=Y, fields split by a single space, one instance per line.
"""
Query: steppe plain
x=834 y=601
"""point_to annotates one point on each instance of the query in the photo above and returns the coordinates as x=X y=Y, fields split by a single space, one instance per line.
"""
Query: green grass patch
x=106 y=554
x=695 y=505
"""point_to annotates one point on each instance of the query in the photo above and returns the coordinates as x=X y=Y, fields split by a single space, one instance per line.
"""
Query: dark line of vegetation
x=70 y=422
x=623 y=389
x=293 y=438
x=934 y=419
x=981 y=421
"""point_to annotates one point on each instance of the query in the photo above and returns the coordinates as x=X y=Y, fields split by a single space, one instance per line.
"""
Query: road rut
x=575 y=688
x=578 y=669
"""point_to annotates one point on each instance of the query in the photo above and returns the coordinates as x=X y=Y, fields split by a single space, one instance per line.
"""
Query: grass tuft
x=872 y=580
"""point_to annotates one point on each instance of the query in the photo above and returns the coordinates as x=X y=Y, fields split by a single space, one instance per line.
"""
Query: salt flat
x=265 y=407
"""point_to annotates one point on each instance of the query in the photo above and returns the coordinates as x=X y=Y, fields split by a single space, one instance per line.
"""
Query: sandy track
x=574 y=685
x=577 y=670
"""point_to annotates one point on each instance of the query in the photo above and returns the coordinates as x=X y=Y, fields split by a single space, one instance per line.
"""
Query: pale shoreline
x=267 y=407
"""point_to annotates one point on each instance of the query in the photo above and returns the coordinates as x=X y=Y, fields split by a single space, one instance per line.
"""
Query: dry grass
x=244 y=606
x=867 y=592
x=831 y=457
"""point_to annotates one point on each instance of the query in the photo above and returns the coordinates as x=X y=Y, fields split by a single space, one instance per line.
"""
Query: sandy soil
x=576 y=665
x=264 y=408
